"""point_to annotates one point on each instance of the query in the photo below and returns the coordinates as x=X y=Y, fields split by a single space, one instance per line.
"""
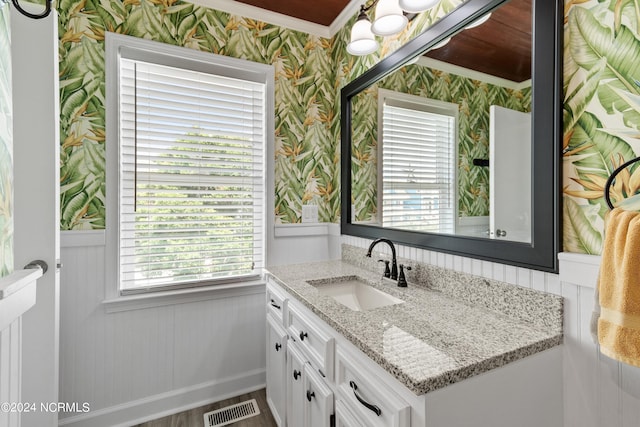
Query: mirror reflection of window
x=417 y=170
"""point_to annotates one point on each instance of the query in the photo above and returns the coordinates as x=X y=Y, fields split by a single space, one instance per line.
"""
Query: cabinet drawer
x=369 y=400
x=344 y=417
x=276 y=303
x=317 y=345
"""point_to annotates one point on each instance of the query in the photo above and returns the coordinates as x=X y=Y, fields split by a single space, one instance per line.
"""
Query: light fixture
x=362 y=42
x=478 y=22
x=416 y=6
x=390 y=19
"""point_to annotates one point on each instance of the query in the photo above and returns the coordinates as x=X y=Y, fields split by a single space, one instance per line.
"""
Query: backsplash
x=6 y=146
x=543 y=310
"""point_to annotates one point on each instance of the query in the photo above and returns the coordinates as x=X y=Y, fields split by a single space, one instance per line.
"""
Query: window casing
x=191 y=134
x=417 y=168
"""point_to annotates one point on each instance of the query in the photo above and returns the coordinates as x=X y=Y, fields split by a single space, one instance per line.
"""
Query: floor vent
x=231 y=414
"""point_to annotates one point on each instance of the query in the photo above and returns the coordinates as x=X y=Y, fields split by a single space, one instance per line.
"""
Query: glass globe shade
x=362 y=41
x=416 y=6
x=390 y=18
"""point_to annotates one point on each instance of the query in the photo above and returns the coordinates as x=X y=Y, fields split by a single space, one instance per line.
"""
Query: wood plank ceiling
x=321 y=12
x=500 y=47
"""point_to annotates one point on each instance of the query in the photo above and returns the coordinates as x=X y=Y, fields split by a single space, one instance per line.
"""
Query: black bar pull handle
x=303 y=335
x=368 y=405
x=273 y=303
x=278 y=346
x=310 y=395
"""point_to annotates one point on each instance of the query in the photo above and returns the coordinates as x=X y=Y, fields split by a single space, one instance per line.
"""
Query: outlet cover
x=309 y=213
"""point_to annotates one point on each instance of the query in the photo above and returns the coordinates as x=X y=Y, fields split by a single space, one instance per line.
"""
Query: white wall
x=144 y=363
x=140 y=364
x=10 y=370
x=598 y=391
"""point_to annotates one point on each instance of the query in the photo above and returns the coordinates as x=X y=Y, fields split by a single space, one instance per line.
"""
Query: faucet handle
x=402 y=281
x=387 y=271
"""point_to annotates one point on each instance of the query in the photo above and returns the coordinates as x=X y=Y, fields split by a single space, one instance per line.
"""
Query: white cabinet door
x=276 y=367
x=318 y=399
x=295 y=386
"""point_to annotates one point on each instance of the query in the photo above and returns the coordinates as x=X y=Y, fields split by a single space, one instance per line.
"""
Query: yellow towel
x=619 y=288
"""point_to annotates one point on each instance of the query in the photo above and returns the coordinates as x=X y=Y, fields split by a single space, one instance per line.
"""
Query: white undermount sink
x=354 y=293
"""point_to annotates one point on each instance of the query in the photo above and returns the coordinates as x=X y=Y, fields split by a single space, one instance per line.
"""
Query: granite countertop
x=451 y=325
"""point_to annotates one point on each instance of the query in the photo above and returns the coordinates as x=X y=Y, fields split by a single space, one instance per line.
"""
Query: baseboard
x=163 y=404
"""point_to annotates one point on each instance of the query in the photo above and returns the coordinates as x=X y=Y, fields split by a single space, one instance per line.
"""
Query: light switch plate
x=309 y=213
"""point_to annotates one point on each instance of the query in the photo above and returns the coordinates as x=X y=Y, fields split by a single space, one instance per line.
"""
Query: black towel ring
x=612 y=177
x=47 y=9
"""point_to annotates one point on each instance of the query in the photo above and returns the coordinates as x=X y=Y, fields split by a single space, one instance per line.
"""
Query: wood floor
x=194 y=417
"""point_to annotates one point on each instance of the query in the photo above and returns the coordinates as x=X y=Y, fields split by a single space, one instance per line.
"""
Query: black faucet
x=394 y=265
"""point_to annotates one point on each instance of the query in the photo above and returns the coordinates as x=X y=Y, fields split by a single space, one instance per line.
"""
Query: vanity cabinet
x=308 y=385
x=322 y=378
x=297 y=359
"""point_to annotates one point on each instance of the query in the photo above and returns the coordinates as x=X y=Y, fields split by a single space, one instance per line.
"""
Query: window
x=417 y=171
x=191 y=137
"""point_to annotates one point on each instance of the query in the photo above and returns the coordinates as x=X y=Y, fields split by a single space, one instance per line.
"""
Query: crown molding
x=472 y=74
x=351 y=9
x=236 y=8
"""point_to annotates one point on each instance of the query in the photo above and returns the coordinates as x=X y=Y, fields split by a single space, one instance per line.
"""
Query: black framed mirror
x=539 y=248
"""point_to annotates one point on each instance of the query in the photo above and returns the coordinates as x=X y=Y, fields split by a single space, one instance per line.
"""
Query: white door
x=36 y=191
x=510 y=175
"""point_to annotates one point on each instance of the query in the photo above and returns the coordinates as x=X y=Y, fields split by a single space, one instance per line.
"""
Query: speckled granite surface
x=451 y=326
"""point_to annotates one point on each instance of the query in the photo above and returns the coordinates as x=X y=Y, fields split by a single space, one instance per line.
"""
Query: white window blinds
x=418 y=174
x=191 y=176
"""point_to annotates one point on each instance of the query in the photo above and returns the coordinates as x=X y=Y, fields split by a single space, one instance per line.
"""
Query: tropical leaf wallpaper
x=601 y=115
x=601 y=104
x=309 y=73
x=306 y=163
x=473 y=98
x=6 y=146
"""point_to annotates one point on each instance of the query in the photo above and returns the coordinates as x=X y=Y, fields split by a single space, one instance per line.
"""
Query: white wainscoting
x=141 y=364
x=10 y=368
x=296 y=243
x=598 y=391
x=17 y=296
x=137 y=365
